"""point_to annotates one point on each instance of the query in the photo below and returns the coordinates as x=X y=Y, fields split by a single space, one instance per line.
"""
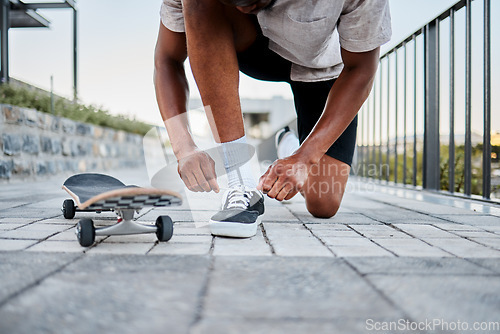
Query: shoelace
x=238 y=198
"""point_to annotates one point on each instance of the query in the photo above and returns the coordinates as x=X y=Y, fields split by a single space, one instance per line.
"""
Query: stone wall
x=35 y=144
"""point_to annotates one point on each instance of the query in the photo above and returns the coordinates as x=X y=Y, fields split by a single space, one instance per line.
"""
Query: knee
x=323 y=209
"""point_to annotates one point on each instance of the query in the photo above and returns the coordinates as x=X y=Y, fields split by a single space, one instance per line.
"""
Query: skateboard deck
x=103 y=192
x=99 y=192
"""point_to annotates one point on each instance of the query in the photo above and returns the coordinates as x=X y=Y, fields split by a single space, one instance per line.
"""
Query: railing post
x=4 y=36
x=431 y=167
x=487 y=103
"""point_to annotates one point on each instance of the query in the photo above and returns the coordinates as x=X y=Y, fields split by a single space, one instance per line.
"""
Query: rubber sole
x=234 y=229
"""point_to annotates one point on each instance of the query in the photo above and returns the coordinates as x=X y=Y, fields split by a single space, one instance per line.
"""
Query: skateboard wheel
x=68 y=209
x=165 y=228
x=85 y=232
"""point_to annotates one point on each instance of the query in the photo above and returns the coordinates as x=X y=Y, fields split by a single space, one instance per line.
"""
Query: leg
x=325 y=187
x=326 y=183
x=214 y=33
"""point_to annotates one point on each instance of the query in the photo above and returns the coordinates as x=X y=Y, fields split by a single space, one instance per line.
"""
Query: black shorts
x=309 y=97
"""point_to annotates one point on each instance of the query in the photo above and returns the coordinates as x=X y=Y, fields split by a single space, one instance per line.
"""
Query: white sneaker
x=286 y=142
x=240 y=213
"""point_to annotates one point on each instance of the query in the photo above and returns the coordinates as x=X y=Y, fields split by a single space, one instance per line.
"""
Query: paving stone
x=288 y=325
x=206 y=239
x=395 y=215
x=285 y=230
x=477 y=301
x=300 y=246
x=43 y=227
x=463 y=247
x=190 y=248
x=417 y=266
x=491 y=264
x=490 y=242
x=379 y=231
x=255 y=246
x=121 y=248
x=149 y=238
x=59 y=221
x=303 y=288
x=117 y=294
x=14 y=245
x=350 y=219
x=359 y=246
x=278 y=213
x=329 y=227
x=21 y=269
x=475 y=220
x=22 y=234
x=58 y=246
x=334 y=233
x=456 y=227
x=491 y=228
x=411 y=248
x=476 y=234
x=68 y=235
x=424 y=231
x=7 y=226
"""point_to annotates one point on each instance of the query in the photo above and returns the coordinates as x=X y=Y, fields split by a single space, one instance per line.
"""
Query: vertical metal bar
x=75 y=55
x=363 y=143
x=367 y=108
x=380 y=126
x=451 y=155
x=404 y=116
x=414 y=111
x=396 y=119
x=487 y=102
x=374 y=105
x=388 y=117
x=431 y=177
x=4 y=43
x=468 y=143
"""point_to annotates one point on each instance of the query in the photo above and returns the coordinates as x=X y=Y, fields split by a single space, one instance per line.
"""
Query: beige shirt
x=310 y=33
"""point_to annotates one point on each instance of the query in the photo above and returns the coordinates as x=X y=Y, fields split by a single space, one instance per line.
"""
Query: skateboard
x=99 y=192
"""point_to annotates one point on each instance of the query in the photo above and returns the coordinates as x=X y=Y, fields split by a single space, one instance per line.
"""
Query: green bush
x=40 y=100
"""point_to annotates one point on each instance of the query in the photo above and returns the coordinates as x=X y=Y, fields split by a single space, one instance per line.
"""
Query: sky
x=116 y=44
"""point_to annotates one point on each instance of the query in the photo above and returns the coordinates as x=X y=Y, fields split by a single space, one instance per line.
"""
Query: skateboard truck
x=86 y=231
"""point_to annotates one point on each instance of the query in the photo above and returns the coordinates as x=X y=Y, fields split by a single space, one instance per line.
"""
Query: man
x=327 y=50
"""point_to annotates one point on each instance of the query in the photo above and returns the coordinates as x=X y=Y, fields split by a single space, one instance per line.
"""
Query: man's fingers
x=267 y=181
x=291 y=194
x=202 y=182
x=285 y=190
x=263 y=178
x=194 y=186
x=209 y=173
x=275 y=188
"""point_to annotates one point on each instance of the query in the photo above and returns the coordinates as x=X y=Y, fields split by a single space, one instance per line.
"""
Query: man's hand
x=285 y=177
x=197 y=171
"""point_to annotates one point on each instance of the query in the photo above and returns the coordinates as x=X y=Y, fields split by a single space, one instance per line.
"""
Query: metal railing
x=409 y=85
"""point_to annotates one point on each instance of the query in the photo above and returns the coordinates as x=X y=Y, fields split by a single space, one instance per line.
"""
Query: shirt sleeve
x=171 y=15
x=365 y=25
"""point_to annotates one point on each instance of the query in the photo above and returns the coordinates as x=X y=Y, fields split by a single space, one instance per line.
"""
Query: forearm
x=346 y=97
x=172 y=92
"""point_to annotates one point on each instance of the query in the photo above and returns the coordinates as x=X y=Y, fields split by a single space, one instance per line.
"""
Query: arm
x=196 y=168
x=344 y=101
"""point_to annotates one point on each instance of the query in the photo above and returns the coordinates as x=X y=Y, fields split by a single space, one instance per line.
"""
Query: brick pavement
x=388 y=254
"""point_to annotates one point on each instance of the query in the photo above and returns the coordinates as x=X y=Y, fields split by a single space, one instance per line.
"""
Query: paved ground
x=390 y=257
